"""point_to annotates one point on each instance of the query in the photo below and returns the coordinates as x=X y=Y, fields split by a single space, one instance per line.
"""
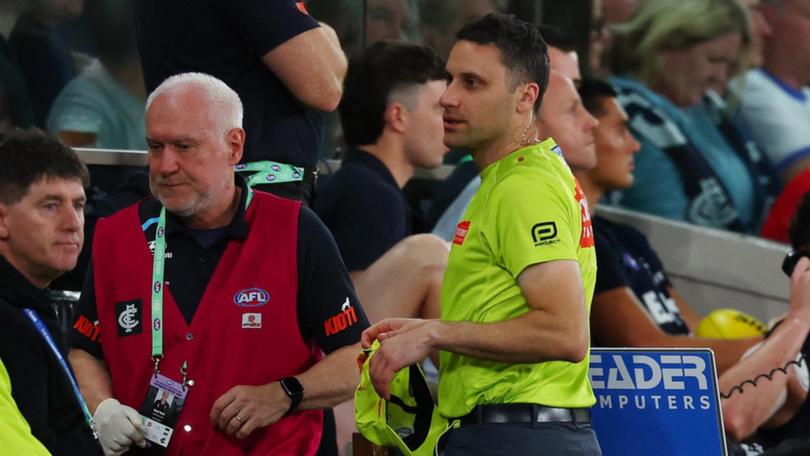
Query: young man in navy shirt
x=392 y=122
x=634 y=304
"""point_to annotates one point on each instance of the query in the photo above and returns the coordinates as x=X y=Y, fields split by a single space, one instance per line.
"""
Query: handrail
x=118 y=157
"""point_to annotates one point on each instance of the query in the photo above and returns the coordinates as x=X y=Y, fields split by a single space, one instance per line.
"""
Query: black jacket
x=38 y=384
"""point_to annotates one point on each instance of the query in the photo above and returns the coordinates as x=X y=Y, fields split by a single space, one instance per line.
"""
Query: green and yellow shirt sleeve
x=528 y=233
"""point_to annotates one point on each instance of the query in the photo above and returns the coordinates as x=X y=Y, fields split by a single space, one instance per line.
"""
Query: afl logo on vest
x=251 y=297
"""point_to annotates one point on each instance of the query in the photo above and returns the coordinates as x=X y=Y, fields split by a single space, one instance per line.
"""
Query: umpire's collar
x=237 y=229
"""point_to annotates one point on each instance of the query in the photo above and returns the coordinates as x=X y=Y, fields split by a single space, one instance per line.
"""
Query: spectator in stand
x=5 y=112
x=668 y=56
x=441 y=20
x=777 y=224
x=392 y=122
x=617 y=11
x=103 y=106
x=284 y=65
x=777 y=409
x=634 y=304
x=20 y=108
x=775 y=99
x=44 y=59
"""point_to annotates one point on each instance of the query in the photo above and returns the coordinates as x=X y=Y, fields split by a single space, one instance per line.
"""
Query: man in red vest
x=221 y=296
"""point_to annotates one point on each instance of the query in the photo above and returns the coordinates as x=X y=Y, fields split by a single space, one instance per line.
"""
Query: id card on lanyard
x=165 y=397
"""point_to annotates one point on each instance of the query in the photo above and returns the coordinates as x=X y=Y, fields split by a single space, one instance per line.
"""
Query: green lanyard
x=270 y=172
x=158 y=266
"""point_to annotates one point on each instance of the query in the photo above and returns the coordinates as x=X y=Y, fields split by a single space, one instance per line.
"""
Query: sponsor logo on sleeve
x=345 y=318
x=302 y=7
x=251 y=297
x=130 y=317
x=87 y=328
x=545 y=233
x=586 y=239
x=461 y=232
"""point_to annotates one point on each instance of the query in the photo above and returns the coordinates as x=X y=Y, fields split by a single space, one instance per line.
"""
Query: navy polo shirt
x=364 y=208
x=227 y=39
x=624 y=258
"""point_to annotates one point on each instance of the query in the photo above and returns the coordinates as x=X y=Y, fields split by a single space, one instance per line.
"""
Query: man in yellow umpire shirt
x=516 y=295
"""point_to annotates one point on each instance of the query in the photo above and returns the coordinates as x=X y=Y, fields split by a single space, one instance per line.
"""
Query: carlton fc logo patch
x=129 y=315
x=251 y=297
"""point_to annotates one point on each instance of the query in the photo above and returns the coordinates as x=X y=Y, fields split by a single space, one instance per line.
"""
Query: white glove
x=118 y=427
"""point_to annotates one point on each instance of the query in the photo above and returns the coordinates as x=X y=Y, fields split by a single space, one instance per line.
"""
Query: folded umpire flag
x=410 y=421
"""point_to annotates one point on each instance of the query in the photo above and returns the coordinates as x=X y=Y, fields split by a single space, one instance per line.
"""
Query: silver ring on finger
x=238 y=419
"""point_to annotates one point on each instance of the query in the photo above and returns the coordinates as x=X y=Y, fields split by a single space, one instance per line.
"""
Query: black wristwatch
x=294 y=390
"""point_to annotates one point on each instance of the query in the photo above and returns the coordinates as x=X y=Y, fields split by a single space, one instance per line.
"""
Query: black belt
x=525 y=414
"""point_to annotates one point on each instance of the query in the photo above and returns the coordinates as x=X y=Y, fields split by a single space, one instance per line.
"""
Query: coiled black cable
x=768 y=376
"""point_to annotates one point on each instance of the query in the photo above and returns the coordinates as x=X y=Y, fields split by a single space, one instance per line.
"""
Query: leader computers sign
x=656 y=402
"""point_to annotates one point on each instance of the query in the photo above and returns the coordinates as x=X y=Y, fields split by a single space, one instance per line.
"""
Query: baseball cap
x=409 y=421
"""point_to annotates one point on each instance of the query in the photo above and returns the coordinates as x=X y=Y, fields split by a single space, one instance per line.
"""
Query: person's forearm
x=92 y=376
x=338 y=64
x=727 y=352
x=530 y=338
x=331 y=381
x=744 y=412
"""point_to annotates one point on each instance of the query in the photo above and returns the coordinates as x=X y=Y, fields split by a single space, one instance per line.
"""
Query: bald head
x=564 y=118
x=566 y=63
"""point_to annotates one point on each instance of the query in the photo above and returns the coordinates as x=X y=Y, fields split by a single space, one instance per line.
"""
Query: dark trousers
x=540 y=439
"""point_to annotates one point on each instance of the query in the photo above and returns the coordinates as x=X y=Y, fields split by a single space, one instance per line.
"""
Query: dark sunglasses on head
x=791 y=259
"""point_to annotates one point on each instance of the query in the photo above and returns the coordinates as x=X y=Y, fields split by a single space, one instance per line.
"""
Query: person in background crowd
x=634 y=303
x=774 y=99
x=667 y=57
x=393 y=123
x=777 y=408
x=250 y=292
x=20 y=107
x=45 y=61
x=285 y=66
x=441 y=20
x=41 y=216
x=775 y=105
x=103 y=106
x=618 y=11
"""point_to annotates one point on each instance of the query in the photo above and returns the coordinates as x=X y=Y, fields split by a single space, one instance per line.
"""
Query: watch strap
x=294 y=390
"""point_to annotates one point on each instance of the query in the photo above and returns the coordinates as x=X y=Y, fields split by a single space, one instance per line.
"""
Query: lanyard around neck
x=158 y=284
x=46 y=335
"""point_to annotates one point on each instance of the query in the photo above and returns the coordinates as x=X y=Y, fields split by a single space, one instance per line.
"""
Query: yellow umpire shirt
x=529 y=210
x=15 y=433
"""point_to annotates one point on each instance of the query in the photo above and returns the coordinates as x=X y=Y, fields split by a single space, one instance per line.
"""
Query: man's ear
x=530 y=92
x=3 y=221
x=396 y=117
x=235 y=138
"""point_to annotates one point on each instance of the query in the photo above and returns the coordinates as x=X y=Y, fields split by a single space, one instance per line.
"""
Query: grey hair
x=226 y=101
